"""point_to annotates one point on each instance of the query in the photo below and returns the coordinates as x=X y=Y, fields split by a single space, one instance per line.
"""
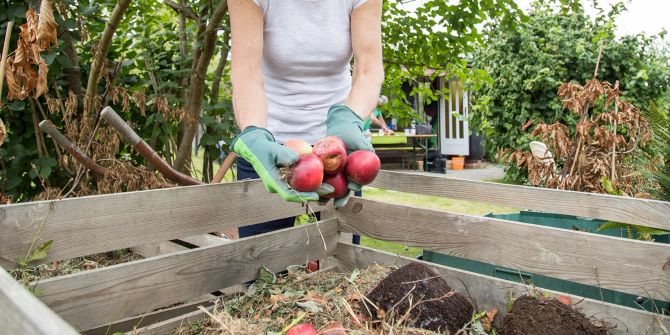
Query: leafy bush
x=556 y=45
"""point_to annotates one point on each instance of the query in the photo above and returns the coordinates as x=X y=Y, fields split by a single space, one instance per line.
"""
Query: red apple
x=312 y=266
x=333 y=328
x=332 y=152
x=302 y=329
x=362 y=167
x=565 y=300
x=299 y=146
x=307 y=174
x=339 y=182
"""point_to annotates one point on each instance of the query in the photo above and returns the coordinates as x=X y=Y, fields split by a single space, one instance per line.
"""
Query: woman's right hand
x=258 y=147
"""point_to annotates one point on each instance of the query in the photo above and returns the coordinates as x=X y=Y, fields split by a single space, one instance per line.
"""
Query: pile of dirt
x=530 y=315
x=419 y=297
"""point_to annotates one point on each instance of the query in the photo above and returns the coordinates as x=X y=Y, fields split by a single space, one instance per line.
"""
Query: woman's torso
x=306 y=56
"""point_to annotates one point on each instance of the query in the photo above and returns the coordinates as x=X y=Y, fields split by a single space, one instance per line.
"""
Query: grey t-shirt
x=306 y=55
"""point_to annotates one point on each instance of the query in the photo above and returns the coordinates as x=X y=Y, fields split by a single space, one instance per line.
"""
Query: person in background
x=292 y=79
x=377 y=118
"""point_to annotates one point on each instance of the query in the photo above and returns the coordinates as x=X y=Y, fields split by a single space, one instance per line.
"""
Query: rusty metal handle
x=225 y=166
x=145 y=150
x=71 y=148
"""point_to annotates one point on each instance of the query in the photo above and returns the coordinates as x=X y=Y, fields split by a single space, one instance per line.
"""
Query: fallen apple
x=302 y=329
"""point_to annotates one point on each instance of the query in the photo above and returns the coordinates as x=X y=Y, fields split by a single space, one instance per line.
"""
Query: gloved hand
x=348 y=126
x=259 y=148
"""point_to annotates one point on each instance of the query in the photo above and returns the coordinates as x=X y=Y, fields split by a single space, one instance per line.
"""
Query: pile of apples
x=327 y=162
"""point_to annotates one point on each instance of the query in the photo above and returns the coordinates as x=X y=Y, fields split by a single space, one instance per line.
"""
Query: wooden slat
x=631 y=266
x=98 y=297
x=22 y=313
x=491 y=292
x=89 y=225
x=156 y=249
x=168 y=327
x=651 y=213
x=131 y=323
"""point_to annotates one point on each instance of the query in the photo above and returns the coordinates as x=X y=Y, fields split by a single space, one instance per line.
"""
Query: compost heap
x=541 y=316
x=376 y=300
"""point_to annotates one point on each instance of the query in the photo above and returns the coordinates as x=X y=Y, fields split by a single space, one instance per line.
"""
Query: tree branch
x=101 y=54
x=187 y=11
x=197 y=85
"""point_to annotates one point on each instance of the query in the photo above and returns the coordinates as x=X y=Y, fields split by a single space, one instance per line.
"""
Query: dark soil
x=433 y=304
x=531 y=316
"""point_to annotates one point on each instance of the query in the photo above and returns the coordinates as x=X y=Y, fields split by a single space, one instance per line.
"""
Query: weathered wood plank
x=89 y=225
x=631 y=266
x=158 y=248
x=644 y=212
x=166 y=247
x=168 y=327
x=22 y=313
x=101 y=296
x=136 y=322
x=490 y=292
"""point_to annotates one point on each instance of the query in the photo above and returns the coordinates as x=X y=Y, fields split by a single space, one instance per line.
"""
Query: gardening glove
x=259 y=148
x=348 y=126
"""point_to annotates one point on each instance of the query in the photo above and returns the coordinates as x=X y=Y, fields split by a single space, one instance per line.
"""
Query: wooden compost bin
x=120 y=297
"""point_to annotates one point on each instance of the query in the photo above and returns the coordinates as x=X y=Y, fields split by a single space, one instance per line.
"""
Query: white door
x=454 y=111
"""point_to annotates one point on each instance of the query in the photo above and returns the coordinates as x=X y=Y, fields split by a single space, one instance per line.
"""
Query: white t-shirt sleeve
x=263 y=4
x=356 y=3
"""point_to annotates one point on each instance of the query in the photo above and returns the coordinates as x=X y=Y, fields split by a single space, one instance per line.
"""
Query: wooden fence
x=123 y=296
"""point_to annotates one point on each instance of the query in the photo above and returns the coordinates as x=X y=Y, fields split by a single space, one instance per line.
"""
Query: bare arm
x=378 y=120
x=249 y=100
x=368 y=68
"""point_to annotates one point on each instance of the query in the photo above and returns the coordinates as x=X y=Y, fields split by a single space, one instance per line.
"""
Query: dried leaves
x=46 y=28
x=26 y=69
x=609 y=129
x=3 y=132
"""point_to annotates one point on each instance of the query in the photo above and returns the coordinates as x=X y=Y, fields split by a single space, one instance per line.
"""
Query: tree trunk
x=197 y=86
x=208 y=161
x=72 y=73
x=100 y=55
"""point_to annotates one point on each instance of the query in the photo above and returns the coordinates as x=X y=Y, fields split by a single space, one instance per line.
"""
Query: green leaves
x=557 y=44
x=43 y=167
x=265 y=276
x=437 y=35
x=38 y=254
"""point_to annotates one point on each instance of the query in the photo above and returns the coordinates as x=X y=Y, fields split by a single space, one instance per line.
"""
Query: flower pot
x=457 y=163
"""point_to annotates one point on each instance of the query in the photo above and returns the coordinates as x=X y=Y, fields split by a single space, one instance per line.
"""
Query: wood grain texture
x=158 y=248
x=140 y=321
x=22 y=313
x=490 y=292
x=644 y=212
x=625 y=265
x=89 y=225
x=98 y=297
x=169 y=326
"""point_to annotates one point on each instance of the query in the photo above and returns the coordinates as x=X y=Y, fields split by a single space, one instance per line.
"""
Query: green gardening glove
x=348 y=126
x=259 y=148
